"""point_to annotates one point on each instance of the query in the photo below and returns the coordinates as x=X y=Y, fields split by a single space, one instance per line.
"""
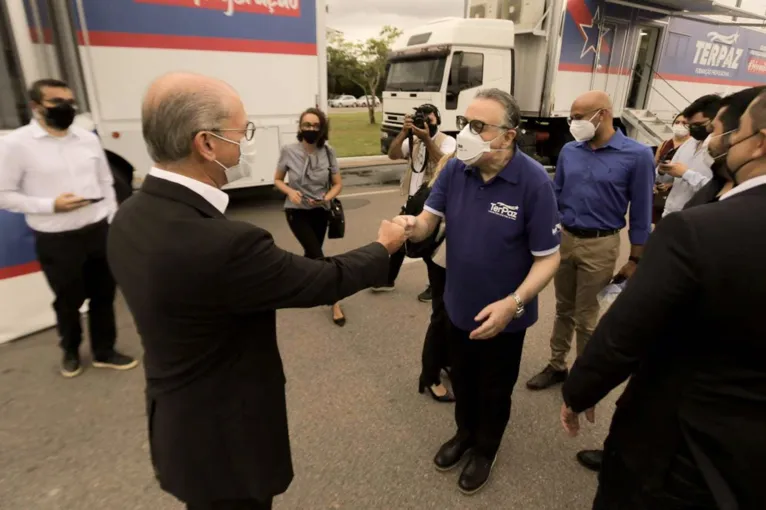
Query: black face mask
x=432 y=129
x=734 y=171
x=698 y=132
x=310 y=136
x=60 y=116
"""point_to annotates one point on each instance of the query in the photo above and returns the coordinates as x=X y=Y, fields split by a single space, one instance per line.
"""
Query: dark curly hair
x=324 y=125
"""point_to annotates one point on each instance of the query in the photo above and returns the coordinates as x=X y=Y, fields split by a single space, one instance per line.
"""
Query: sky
x=361 y=19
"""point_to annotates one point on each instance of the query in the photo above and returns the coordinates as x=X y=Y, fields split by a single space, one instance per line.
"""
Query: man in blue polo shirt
x=503 y=230
x=597 y=176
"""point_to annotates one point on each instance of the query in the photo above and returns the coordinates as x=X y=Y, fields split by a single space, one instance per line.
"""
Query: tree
x=363 y=63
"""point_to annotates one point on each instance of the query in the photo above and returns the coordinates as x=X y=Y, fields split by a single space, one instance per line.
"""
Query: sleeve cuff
x=47 y=205
x=433 y=211
x=638 y=238
x=545 y=253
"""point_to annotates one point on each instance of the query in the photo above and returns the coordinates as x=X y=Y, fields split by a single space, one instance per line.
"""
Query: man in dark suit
x=204 y=291
x=688 y=330
x=724 y=124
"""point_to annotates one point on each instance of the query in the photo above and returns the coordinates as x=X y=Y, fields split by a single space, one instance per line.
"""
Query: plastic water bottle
x=609 y=294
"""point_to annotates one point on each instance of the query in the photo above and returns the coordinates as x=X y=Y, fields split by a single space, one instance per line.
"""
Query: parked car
x=362 y=101
x=344 y=101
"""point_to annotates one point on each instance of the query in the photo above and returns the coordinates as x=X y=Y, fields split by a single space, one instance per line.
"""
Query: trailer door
x=612 y=74
x=645 y=64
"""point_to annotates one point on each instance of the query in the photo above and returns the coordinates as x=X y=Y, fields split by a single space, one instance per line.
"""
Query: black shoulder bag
x=426 y=247
x=336 y=227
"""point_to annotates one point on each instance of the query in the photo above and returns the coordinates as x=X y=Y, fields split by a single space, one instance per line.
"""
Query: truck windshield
x=424 y=74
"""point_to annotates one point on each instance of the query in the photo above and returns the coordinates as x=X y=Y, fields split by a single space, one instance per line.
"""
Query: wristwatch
x=519 y=306
x=634 y=259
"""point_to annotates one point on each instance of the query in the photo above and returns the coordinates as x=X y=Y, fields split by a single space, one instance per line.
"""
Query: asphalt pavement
x=362 y=437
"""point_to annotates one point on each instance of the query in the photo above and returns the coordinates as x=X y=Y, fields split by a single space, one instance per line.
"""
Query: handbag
x=426 y=247
x=336 y=225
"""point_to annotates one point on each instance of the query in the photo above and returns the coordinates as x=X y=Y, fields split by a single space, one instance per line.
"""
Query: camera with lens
x=419 y=119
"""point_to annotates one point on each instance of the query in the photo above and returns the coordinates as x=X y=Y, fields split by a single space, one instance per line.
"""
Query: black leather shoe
x=547 y=378
x=451 y=453
x=591 y=459
x=475 y=474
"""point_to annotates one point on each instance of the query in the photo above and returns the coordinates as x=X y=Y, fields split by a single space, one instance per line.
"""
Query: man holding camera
x=424 y=145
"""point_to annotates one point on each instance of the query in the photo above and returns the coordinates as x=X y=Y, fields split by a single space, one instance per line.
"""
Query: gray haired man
x=503 y=230
x=204 y=293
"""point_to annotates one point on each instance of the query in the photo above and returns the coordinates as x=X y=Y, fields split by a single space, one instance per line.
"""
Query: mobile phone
x=93 y=200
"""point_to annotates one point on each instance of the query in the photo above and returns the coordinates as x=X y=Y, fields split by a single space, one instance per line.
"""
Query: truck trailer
x=653 y=58
x=272 y=51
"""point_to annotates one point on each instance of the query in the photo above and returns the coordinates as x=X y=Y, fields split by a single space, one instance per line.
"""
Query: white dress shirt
x=748 y=184
x=217 y=198
x=35 y=168
x=692 y=154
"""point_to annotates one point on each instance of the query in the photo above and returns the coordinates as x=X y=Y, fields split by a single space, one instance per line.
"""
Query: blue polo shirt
x=594 y=187
x=494 y=229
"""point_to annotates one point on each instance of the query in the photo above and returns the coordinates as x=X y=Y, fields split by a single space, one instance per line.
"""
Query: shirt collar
x=39 y=132
x=509 y=173
x=217 y=198
x=748 y=184
x=615 y=142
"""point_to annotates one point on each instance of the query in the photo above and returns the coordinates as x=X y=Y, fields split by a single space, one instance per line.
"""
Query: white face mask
x=470 y=146
x=680 y=130
x=243 y=169
x=584 y=130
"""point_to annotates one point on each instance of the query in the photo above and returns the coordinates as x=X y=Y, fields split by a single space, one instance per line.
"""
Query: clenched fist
x=391 y=236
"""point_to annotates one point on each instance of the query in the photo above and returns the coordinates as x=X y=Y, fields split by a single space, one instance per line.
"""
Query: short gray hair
x=170 y=121
x=507 y=101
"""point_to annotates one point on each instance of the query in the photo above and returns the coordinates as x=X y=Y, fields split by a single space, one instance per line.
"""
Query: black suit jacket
x=690 y=329
x=203 y=291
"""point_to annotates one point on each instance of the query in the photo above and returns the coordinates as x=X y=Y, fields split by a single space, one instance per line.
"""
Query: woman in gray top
x=313 y=181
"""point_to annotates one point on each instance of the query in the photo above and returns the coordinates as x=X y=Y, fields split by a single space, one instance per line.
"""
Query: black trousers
x=244 y=504
x=684 y=488
x=483 y=375
x=435 y=348
x=74 y=263
x=309 y=226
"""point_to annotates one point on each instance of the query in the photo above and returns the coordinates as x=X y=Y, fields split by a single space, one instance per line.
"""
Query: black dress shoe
x=547 y=378
x=446 y=398
x=591 y=459
x=476 y=473
x=451 y=453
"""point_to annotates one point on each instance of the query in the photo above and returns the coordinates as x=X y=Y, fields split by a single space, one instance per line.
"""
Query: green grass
x=351 y=134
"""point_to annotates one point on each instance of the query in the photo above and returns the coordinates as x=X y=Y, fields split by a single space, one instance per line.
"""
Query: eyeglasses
x=477 y=126
x=309 y=125
x=582 y=116
x=249 y=130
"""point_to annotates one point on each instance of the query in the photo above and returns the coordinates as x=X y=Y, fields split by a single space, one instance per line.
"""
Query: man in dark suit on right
x=689 y=432
x=204 y=293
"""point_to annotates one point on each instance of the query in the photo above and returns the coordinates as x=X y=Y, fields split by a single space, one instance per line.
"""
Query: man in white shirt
x=57 y=175
x=429 y=146
x=691 y=164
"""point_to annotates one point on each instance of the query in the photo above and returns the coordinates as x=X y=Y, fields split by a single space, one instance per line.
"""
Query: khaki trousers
x=587 y=266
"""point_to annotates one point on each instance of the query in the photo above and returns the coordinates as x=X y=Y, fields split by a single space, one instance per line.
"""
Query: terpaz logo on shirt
x=506 y=211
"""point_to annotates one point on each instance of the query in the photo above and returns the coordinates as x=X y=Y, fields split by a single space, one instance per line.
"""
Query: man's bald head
x=594 y=107
x=592 y=101
x=179 y=105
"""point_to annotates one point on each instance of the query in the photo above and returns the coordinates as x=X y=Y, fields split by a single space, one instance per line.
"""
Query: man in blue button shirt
x=503 y=230
x=597 y=177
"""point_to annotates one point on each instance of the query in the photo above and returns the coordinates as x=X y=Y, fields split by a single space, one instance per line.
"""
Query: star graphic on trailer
x=590 y=32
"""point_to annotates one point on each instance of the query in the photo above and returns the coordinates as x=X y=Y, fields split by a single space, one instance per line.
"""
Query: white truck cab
x=445 y=63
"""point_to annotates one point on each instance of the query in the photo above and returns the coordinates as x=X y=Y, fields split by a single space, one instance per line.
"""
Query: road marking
x=365 y=193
